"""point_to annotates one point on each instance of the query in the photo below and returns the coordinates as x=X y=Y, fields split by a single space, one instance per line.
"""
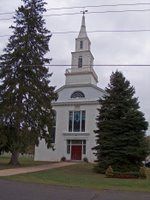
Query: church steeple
x=82 y=41
x=82 y=71
x=82 y=33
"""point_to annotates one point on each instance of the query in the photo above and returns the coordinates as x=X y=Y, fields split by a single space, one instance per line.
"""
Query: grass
x=82 y=175
x=25 y=161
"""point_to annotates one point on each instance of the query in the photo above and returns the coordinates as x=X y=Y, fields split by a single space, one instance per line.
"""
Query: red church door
x=76 y=152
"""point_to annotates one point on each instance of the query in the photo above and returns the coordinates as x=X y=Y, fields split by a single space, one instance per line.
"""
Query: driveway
x=28 y=191
x=24 y=170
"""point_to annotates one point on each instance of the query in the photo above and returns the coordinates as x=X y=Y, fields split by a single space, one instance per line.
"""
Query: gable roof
x=80 y=85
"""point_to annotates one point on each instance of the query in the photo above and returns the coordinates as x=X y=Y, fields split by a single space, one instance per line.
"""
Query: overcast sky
x=107 y=48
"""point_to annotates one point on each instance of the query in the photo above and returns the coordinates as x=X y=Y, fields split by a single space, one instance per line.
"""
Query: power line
x=95 y=65
x=97 y=12
x=93 y=12
x=6 y=19
x=5 y=36
x=88 y=6
x=103 y=31
x=94 y=31
x=105 y=65
x=98 y=6
x=6 y=13
x=119 y=11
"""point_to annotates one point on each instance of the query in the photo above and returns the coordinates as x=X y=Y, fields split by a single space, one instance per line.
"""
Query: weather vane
x=84 y=11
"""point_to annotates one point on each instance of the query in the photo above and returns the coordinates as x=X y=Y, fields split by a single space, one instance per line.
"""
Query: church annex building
x=76 y=108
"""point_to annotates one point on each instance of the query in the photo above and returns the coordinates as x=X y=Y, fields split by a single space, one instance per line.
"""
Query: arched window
x=78 y=94
x=80 y=62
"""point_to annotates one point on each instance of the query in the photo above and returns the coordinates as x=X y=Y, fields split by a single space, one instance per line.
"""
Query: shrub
x=109 y=172
x=126 y=175
x=142 y=173
x=85 y=159
x=63 y=159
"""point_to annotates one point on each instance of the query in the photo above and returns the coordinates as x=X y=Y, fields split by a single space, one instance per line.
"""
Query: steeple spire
x=82 y=71
x=83 y=33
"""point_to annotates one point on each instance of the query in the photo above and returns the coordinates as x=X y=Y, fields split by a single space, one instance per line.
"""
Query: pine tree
x=26 y=114
x=121 y=128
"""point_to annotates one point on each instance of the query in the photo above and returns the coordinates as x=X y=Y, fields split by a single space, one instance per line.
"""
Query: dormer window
x=81 y=44
x=80 y=61
x=78 y=94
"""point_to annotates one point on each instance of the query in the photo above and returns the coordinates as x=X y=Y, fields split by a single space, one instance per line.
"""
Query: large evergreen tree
x=26 y=113
x=121 y=128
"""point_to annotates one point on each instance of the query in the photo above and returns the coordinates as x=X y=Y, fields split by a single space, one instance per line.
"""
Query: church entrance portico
x=76 y=149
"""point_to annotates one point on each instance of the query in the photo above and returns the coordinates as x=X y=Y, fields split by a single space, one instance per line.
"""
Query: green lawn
x=25 y=161
x=82 y=175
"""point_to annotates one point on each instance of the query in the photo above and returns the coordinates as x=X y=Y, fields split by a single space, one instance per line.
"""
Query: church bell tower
x=81 y=71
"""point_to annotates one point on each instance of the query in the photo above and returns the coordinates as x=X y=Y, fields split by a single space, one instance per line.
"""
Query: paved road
x=28 y=191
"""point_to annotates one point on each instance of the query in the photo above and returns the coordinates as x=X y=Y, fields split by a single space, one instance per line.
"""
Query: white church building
x=76 y=108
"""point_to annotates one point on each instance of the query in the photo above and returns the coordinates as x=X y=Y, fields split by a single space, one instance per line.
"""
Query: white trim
x=80 y=85
x=76 y=134
x=73 y=103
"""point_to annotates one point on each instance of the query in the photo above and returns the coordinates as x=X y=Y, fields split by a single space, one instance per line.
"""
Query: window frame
x=77 y=94
x=80 y=62
x=75 y=125
x=81 y=44
x=70 y=143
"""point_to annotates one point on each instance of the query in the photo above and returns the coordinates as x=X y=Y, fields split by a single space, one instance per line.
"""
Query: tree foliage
x=121 y=128
x=26 y=113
